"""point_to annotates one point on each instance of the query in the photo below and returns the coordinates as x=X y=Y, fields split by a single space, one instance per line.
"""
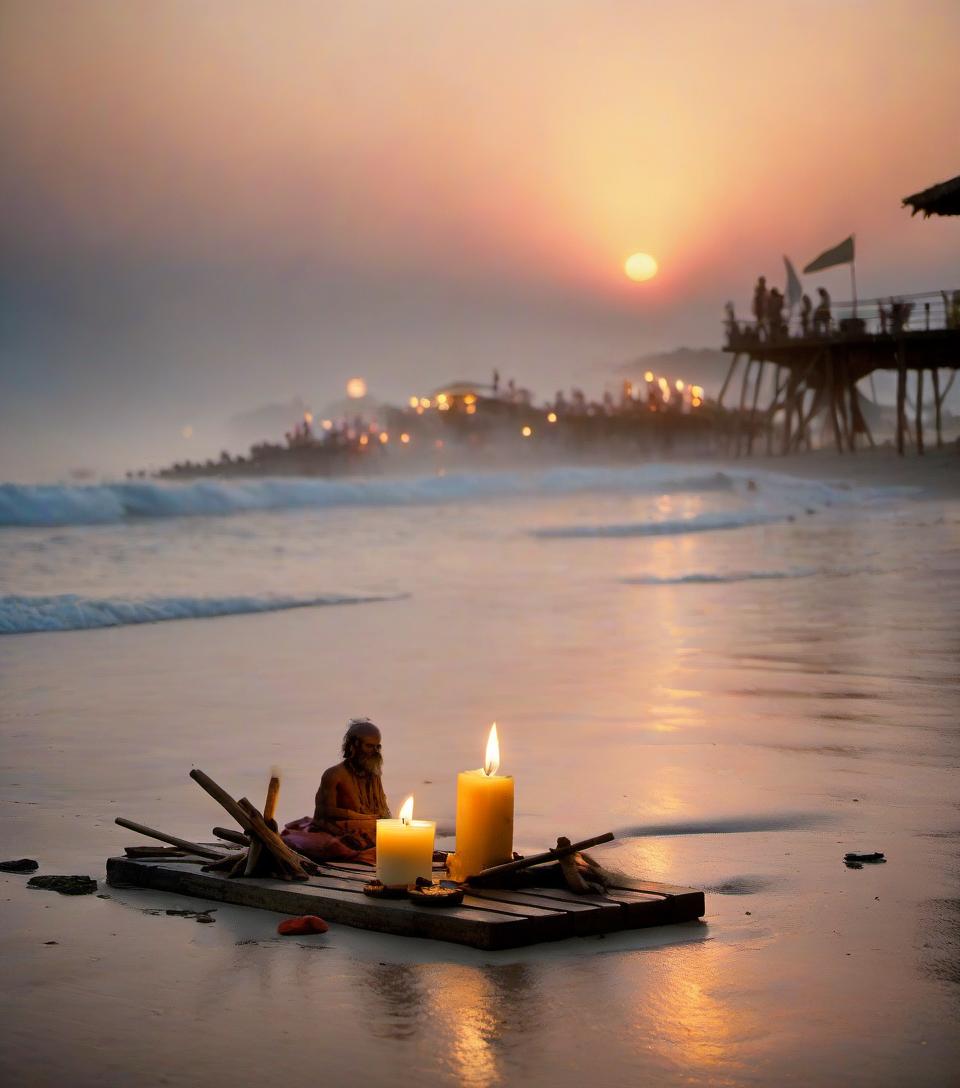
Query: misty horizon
x=204 y=215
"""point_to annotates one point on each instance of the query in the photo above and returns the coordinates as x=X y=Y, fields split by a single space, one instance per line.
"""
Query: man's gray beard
x=369 y=765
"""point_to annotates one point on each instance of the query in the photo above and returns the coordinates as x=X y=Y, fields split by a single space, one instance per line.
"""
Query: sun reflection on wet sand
x=475 y=1014
x=484 y=1011
x=688 y=1023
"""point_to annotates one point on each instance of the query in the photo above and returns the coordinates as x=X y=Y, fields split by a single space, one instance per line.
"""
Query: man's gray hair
x=356 y=728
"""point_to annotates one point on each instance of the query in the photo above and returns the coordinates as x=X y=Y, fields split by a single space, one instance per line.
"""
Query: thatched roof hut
x=942 y=199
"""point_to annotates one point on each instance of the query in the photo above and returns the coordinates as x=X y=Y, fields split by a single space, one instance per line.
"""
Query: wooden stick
x=270 y=805
x=151 y=833
x=496 y=871
x=154 y=852
x=231 y=836
x=253 y=857
x=220 y=795
x=272 y=841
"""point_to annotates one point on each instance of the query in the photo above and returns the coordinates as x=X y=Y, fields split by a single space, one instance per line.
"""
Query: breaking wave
x=37 y=505
x=69 y=612
x=700 y=523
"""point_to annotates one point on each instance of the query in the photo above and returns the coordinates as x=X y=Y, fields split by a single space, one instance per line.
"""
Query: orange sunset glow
x=466 y=180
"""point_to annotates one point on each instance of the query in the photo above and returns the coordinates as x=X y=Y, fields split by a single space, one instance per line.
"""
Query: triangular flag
x=794 y=291
x=841 y=254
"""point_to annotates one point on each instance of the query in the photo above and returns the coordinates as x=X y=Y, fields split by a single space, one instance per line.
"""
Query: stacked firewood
x=262 y=852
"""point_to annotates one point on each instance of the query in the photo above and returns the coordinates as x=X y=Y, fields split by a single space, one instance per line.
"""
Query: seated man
x=349 y=802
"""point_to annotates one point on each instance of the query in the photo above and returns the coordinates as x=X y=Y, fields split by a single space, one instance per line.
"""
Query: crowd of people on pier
x=772 y=316
x=772 y=323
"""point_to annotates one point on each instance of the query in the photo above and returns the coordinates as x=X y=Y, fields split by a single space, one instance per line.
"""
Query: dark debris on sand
x=22 y=865
x=65 y=885
x=857 y=861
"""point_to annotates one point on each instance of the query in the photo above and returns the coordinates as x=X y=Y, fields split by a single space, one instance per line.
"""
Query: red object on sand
x=306 y=923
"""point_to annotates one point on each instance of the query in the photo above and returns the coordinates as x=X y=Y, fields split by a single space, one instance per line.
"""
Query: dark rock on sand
x=65 y=885
x=24 y=865
x=197 y=915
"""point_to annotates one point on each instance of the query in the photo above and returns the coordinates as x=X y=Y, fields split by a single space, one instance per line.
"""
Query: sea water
x=742 y=673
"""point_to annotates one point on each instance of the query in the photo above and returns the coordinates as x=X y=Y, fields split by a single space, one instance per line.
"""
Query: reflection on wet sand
x=402 y=998
x=474 y=1014
x=685 y=1020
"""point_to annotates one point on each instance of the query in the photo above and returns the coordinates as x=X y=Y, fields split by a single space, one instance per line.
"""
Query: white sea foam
x=700 y=523
x=69 y=612
x=110 y=503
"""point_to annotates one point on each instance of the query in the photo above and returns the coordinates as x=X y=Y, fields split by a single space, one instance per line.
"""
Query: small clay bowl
x=443 y=894
x=376 y=890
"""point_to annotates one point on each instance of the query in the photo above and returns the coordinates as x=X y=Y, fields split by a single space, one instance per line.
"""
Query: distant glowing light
x=664 y=384
x=441 y=398
x=356 y=388
x=552 y=417
x=696 y=391
x=405 y=438
x=308 y=417
x=470 y=399
x=640 y=267
x=471 y=409
x=648 y=377
x=384 y=437
x=327 y=424
x=527 y=432
x=413 y=402
x=187 y=431
x=364 y=439
x=679 y=385
x=424 y=402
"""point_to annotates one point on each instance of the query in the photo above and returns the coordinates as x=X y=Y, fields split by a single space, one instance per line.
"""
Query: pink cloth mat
x=352 y=842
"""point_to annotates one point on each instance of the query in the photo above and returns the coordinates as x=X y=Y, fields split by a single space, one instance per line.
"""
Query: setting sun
x=640 y=267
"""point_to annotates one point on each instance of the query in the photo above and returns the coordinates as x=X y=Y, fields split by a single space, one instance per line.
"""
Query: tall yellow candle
x=405 y=848
x=484 y=816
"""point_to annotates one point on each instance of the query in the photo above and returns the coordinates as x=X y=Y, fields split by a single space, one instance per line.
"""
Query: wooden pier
x=815 y=377
x=489 y=918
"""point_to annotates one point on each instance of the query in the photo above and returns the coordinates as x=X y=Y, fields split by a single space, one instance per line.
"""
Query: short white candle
x=405 y=848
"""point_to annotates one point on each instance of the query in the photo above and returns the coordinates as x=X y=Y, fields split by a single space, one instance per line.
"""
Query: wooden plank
x=489 y=918
x=535 y=897
x=504 y=906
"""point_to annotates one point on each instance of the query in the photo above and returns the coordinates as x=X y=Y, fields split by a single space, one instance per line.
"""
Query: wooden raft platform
x=490 y=918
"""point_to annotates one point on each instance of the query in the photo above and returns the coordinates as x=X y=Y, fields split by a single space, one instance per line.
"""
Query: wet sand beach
x=744 y=698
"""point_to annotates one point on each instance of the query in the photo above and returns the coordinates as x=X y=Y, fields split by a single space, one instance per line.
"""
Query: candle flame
x=406 y=810
x=492 y=763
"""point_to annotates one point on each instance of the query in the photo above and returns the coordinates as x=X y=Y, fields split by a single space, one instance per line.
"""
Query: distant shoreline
x=937 y=472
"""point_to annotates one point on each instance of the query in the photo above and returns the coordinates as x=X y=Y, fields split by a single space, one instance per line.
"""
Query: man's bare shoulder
x=334 y=774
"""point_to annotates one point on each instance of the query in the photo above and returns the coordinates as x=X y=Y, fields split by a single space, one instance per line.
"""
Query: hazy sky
x=207 y=205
